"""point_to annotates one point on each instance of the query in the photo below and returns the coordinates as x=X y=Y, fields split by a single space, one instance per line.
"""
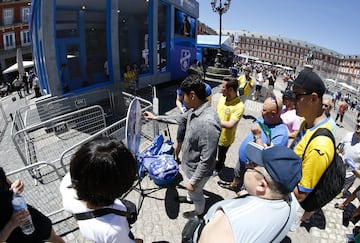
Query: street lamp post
x=221 y=9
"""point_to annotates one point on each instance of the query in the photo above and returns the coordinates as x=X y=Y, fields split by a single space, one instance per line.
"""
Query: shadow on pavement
x=211 y=199
x=317 y=220
x=172 y=207
x=286 y=240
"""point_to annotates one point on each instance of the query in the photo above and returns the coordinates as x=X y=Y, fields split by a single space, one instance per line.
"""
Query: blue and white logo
x=185 y=59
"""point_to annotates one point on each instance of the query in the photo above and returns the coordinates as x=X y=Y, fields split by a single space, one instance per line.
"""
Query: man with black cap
x=308 y=91
x=266 y=213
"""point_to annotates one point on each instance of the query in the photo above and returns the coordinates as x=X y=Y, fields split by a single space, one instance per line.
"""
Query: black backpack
x=331 y=182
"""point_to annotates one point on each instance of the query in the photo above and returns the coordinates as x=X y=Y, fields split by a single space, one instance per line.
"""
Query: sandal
x=337 y=206
x=226 y=185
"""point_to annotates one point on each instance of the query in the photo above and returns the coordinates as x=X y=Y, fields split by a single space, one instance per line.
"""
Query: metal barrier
x=46 y=197
x=42 y=142
x=65 y=104
x=117 y=131
x=46 y=141
x=3 y=121
x=48 y=107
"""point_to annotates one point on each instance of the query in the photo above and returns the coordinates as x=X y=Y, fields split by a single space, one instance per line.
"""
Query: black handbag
x=189 y=229
x=130 y=213
x=331 y=182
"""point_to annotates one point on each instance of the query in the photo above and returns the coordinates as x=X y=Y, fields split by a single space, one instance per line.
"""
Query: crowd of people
x=279 y=163
x=22 y=85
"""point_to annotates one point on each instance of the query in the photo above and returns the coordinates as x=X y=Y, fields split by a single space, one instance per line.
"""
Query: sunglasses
x=325 y=105
x=276 y=103
x=251 y=166
x=297 y=96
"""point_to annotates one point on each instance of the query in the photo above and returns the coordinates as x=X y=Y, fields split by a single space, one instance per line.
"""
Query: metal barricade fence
x=117 y=131
x=46 y=196
x=46 y=141
x=65 y=104
x=30 y=114
x=3 y=121
x=48 y=107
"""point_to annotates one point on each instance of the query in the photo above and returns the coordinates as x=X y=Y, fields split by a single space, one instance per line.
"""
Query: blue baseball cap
x=282 y=164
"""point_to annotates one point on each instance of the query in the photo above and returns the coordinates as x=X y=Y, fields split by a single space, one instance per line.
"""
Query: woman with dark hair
x=10 y=221
x=101 y=171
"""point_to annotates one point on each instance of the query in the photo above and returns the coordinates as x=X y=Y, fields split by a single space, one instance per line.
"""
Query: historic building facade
x=284 y=51
x=14 y=32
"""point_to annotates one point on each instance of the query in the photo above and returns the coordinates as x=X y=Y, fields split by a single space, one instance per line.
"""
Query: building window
x=81 y=45
x=8 y=15
x=9 y=41
x=134 y=36
x=25 y=38
x=25 y=12
x=162 y=42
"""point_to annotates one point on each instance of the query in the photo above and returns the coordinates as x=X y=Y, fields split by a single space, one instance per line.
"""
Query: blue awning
x=212 y=41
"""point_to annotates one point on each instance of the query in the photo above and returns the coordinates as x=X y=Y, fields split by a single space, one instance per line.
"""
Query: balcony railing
x=13 y=25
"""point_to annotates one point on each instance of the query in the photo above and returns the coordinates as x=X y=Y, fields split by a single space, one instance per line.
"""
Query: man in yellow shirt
x=230 y=109
x=246 y=83
x=308 y=92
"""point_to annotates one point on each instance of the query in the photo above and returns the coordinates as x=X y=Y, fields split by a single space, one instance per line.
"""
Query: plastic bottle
x=19 y=203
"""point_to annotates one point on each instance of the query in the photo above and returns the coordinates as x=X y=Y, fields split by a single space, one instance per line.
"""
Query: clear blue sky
x=332 y=24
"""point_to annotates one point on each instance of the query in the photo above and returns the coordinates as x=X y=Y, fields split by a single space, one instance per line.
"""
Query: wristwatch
x=256 y=137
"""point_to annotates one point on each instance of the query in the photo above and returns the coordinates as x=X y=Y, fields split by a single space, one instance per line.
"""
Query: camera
x=132 y=213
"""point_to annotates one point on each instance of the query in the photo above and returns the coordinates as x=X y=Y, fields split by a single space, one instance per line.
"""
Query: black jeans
x=220 y=163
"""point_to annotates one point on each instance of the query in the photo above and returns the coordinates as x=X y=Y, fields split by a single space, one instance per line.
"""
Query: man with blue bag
x=200 y=142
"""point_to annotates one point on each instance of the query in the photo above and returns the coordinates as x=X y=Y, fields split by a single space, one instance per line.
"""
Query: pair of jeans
x=197 y=196
x=221 y=154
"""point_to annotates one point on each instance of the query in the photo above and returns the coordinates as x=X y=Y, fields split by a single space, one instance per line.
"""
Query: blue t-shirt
x=279 y=136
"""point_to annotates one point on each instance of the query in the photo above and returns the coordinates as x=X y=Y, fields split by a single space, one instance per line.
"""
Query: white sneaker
x=215 y=173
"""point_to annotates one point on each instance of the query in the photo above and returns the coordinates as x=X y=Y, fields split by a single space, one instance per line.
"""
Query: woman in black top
x=10 y=220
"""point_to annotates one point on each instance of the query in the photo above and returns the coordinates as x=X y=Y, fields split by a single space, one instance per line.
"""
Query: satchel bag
x=189 y=229
x=241 y=90
x=331 y=182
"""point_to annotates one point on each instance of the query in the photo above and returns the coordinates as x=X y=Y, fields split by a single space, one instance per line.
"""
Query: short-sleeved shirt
x=242 y=82
x=317 y=157
x=259 y=79
x=279 y=137
x=343 y=107
x=229 y=110
x=108 y=228
x=351 y=150
x=291 y=120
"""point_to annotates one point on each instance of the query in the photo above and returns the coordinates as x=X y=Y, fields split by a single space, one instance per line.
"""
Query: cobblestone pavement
x=160 y=217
